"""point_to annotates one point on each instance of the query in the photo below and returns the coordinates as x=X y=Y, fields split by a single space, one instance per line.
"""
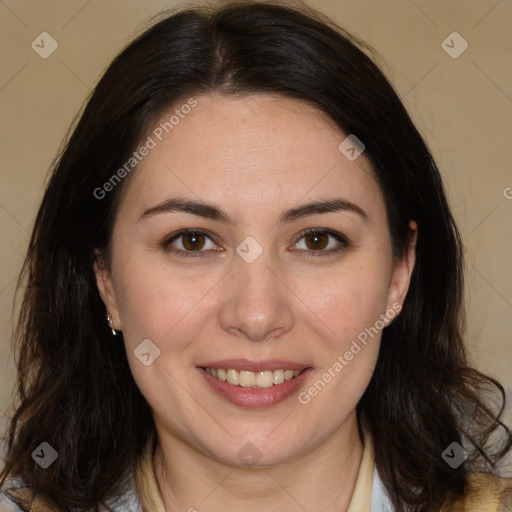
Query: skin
x=253 y=157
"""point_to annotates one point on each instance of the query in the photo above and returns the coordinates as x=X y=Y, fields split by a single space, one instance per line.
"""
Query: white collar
x=380 y=498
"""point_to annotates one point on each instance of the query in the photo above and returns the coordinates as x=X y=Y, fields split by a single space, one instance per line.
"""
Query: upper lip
x=255 y=366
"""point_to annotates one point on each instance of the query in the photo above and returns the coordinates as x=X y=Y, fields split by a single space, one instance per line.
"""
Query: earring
x=111 y=324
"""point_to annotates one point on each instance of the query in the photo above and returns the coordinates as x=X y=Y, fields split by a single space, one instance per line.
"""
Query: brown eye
x=193 y=240
x=189 y=242
x=321 y=242
x=316 y=241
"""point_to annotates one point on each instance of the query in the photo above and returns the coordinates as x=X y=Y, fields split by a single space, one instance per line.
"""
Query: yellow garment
x=487 y=493
x=361 y=500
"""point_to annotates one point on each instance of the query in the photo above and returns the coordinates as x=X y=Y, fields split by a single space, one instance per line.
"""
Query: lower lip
x=256 y=398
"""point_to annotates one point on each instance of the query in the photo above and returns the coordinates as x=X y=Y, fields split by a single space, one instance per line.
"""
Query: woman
x=247 y=202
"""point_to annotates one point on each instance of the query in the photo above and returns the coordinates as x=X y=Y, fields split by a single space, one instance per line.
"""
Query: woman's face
x=249 y=286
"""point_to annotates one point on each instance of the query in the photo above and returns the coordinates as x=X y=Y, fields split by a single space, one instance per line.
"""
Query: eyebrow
x=210 y=211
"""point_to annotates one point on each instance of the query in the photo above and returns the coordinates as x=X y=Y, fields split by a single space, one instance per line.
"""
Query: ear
x=402 y=270
x=105 y=286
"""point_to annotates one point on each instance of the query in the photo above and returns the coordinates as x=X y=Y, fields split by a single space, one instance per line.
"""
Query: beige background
x=463 y=106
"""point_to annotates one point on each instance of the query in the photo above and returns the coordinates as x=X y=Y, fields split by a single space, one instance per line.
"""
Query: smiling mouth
x=247 y=379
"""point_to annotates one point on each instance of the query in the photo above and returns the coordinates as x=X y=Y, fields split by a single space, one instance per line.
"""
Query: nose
x=257 y=303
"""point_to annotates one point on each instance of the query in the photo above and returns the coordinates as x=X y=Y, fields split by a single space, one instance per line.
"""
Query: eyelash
x=342 y=239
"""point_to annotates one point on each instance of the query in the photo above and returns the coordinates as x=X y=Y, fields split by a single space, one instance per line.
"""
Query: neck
x=321 y=480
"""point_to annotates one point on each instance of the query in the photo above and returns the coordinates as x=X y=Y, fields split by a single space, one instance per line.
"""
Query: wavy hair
x=74 y=387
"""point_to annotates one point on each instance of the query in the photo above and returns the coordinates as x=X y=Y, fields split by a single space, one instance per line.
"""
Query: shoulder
x=15 y=498
x=21 y=499
x=6 y=505
x=485 y=493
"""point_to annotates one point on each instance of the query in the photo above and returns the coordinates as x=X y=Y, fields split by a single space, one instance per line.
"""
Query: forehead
x=260 y=151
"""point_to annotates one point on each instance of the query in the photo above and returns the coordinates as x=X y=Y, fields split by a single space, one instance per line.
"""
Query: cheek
x=348 y=300
x=171 y=307
x=157 y=301
x=169 y=310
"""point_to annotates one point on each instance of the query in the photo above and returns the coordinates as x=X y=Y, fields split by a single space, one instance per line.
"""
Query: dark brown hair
x=75 y=389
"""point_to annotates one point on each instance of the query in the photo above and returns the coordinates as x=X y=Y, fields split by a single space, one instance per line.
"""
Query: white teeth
x=265 y=379
x=233 y=377
x=278 y=376
x=247 y=379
